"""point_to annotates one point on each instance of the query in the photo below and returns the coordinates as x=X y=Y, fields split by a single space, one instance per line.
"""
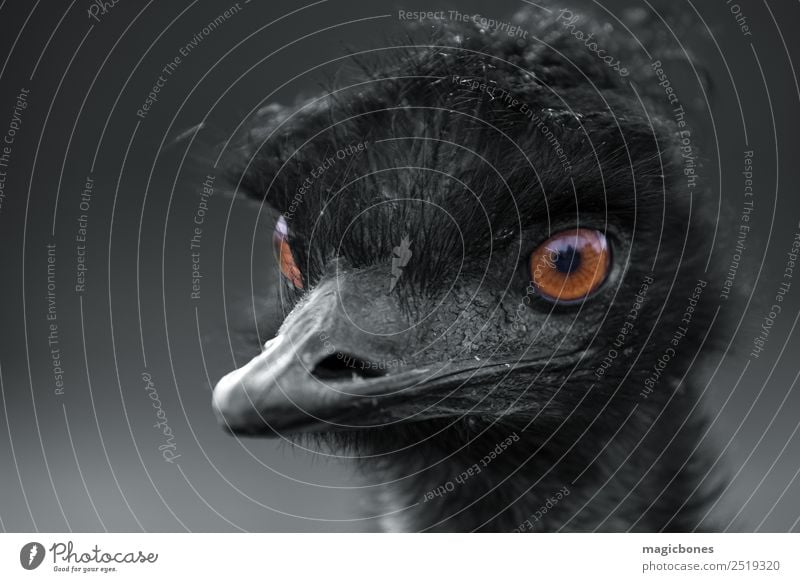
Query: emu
x=492 y=271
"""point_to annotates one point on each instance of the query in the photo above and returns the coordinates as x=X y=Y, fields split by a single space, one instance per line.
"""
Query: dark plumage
x=475 y=182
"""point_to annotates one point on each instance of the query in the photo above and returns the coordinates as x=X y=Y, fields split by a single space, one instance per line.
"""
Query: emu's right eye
x=283 y=254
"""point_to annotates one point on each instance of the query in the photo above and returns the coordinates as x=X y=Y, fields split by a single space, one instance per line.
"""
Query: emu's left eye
x=283 y=254
x=570 y=265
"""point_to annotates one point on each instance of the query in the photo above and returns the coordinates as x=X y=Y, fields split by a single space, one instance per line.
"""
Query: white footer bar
x=400 y=557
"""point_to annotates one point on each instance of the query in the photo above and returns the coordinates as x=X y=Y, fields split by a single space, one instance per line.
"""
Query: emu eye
x=570 y=265
x=283 y=253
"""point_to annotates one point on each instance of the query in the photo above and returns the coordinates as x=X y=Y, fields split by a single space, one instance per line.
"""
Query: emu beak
x=322 y=369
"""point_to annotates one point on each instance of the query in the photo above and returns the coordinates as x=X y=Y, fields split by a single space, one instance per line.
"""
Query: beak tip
x=231 y=404
x=239 y=407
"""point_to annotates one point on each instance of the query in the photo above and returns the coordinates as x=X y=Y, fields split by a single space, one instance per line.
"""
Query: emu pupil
x=567 y=260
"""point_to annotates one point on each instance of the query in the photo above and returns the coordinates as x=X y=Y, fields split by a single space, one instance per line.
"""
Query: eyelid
x=281 y=228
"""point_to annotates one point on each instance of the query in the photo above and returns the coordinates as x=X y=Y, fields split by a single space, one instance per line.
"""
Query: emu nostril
x=345 y=366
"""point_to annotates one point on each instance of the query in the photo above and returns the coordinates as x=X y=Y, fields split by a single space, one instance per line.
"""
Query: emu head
x=476 y=232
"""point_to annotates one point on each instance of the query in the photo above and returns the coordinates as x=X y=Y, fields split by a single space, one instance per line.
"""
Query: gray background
x=89 y=460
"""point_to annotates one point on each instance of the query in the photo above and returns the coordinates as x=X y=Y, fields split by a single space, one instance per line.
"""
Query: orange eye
x=570 y=265
x=283 y=254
